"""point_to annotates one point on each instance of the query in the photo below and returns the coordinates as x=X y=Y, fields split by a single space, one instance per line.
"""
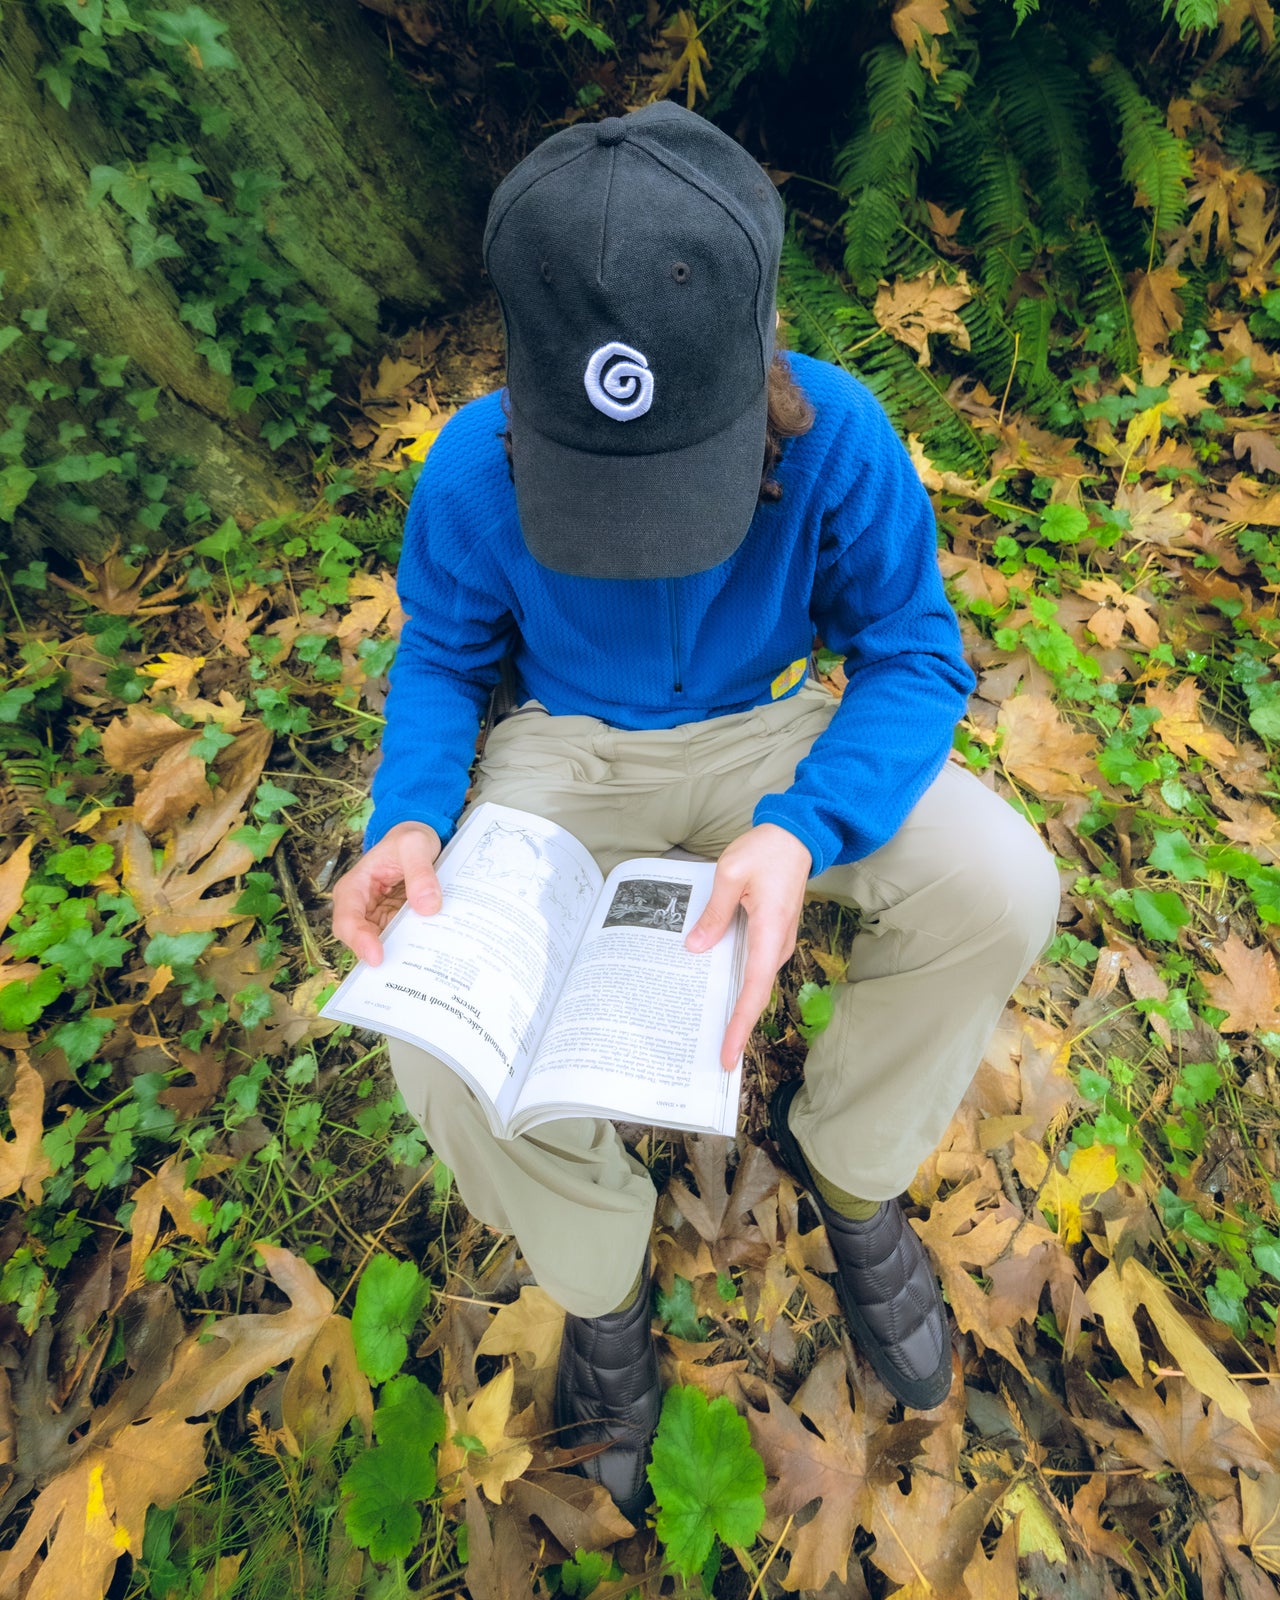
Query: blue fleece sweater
x=849 y=552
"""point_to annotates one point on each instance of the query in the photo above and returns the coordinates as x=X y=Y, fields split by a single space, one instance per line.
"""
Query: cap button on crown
x=611 y=131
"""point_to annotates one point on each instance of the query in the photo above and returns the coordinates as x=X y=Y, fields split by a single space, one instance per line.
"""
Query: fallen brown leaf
x=23 y=1162
x=1247 y=989
x=1179 y=725
x=1043 y=750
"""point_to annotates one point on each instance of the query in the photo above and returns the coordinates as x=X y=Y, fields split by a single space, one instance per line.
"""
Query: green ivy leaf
x=678 y=1313
x=389 y=1301
x=1161 y=914
x=196 y=33
x=817 y=1007
x=81 y=1039
x=707 y=1479
x=23 y=1002
x=176 y=949
x=1174 y=853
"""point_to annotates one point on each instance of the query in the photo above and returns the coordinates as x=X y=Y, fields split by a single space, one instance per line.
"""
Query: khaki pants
x=954 y=909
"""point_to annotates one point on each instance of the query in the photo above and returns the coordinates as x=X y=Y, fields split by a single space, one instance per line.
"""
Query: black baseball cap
x=636 y=262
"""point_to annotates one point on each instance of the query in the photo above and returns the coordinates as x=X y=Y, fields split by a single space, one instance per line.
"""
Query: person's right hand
x=399 y=867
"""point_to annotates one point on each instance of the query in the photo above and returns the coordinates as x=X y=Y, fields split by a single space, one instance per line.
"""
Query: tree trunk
x=377 y=218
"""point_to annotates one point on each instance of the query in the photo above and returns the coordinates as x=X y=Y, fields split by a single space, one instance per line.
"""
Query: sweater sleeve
x=878 y=599
x=448 y=661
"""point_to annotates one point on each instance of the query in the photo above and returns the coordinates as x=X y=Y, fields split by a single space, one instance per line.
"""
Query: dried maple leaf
x=1115 y=1296
x=1260 y=1518
x=13 y=878
x=1092 y=1171
x=1247 y=988
x=913 y=19
x=173 y=670
x=167 y=1191
x=1155 y=306
x=529 y=1327
x=1155 y=517
x=23 y=1162
x=1245 y=500
x=1223 y=1567
x=1260 y=447
x=325 y=1389
x=499 y=1567
x=113 y=586
x=234 y=626
x=215 y=1364
x=927 y=1532
x=581 y=1514
x=963 y=1232
x=974 y=579
x=1043 y=750
x=719 y=1214
x=485 y=1417
x=827 y=1463
x=97 y=1509
x=1179 y=726
x=1119 y=609
x=912 y=309
x=1183 y=1430
x=1255 y=826
x=683 y=35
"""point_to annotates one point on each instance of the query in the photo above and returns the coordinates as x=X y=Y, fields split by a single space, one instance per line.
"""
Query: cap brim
x=642 y=516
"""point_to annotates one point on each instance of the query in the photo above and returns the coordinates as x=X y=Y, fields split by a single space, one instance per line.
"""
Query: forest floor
x=218 y=1210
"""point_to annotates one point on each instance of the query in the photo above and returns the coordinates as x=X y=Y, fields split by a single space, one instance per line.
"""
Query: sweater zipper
x=675 y=635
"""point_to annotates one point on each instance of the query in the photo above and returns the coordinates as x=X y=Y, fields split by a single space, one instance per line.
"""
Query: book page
x=475 y=983
x=638 y=1027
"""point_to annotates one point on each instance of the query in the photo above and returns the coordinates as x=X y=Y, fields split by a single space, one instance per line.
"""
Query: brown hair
x=790 y=414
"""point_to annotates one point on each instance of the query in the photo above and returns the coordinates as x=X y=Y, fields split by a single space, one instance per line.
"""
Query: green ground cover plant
x=252 y=1343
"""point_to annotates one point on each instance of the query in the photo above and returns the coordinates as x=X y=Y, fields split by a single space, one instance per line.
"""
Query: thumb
x=716 y=915
x=421 y=886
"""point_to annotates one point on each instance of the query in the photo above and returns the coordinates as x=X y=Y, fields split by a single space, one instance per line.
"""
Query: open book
x=557 y=992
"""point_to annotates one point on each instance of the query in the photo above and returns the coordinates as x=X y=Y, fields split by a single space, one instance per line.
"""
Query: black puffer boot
x=885 y=1285
x=607 y=1388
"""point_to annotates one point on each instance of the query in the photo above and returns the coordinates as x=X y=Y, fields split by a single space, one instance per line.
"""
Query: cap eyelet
x=546 y=272
x=680 y=272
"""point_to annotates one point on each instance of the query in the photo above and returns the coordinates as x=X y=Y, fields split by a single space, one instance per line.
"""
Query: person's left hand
x=764 y=871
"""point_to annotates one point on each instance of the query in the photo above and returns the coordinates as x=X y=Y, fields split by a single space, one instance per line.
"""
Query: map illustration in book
x=555 y=991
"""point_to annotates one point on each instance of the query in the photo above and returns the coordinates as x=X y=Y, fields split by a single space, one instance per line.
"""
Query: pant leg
x=954 y=909
x=580 y=1206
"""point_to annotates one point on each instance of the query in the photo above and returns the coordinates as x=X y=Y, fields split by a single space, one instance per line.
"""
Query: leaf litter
x=1103 y=1210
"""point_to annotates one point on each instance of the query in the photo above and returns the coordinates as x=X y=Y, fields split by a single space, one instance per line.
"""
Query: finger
x=421 y=886
x=353 y=900
x=726 y=893
x=765 y=954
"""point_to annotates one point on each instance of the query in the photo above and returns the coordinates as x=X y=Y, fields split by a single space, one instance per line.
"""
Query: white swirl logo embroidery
x=625 y=391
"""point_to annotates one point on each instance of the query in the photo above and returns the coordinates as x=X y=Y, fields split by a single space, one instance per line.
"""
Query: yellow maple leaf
x=683 y=34
x=483 y=1419
x=1067 y=1194
x=172 y=670
x=913 y=19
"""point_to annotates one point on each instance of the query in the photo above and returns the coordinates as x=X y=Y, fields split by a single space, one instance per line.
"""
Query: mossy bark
x=377 y=217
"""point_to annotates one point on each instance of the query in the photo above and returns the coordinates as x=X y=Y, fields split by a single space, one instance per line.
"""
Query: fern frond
x=1156 y=162
x=1042 y=108
x=829 y=323
x=1091 y=266
x=877 y=167
x=883 y=154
